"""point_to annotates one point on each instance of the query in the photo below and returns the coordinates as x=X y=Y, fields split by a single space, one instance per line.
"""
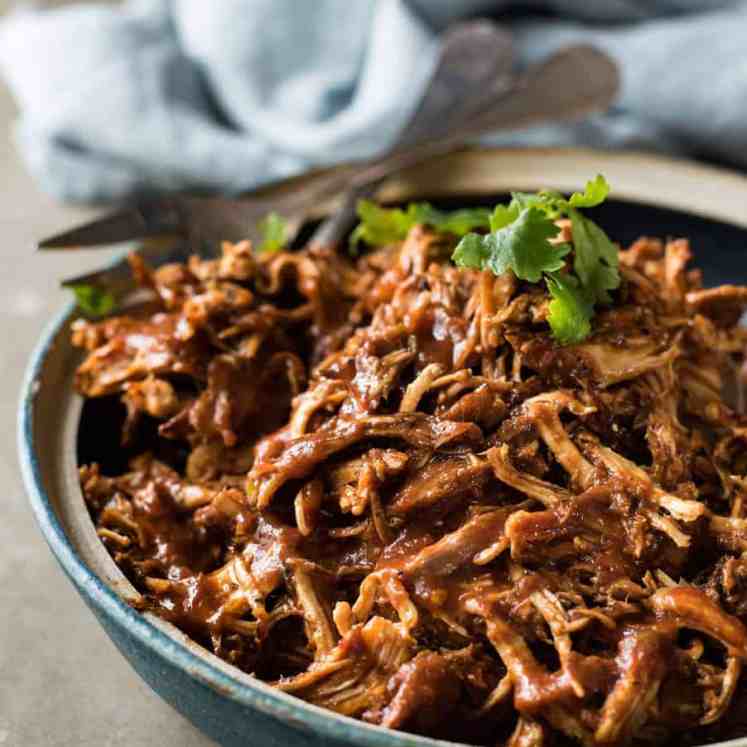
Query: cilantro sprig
x=379 y=225
x=520 y=240
x=273 y=228
x=93 y=301
x=522 y=246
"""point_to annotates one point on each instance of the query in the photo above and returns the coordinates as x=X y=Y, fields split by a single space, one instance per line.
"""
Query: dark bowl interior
x=719 y=249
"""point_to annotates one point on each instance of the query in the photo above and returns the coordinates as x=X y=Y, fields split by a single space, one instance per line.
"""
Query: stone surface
x=61 y=681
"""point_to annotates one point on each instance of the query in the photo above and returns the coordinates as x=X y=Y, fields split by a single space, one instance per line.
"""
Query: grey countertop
x=62 y=682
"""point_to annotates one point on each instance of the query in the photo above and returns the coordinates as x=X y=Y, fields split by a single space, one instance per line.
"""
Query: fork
x=473 y=65
x=569 y=84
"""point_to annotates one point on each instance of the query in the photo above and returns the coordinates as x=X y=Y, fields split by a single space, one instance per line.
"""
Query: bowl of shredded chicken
x=476 y=480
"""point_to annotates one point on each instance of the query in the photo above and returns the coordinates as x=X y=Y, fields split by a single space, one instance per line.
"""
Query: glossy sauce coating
x=382 y=486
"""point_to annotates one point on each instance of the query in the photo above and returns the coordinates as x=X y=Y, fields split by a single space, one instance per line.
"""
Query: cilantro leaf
x=379 y=226
x=523 y=200
x=522 y=246
x=595 y=193
x=596 y=260
x=93 y=301
x=502 y=215
x=570 y=311
x=458 y=222
x=273 y=229
x=551 y=203
x=472 y=251
x=555 y=205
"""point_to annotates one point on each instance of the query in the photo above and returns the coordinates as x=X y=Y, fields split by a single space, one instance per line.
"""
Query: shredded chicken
x=379 y=484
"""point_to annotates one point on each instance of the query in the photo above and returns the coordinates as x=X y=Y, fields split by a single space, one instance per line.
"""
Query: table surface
x=62 y=682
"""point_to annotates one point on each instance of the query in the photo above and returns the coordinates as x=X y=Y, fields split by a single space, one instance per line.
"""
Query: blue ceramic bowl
x=228 y=705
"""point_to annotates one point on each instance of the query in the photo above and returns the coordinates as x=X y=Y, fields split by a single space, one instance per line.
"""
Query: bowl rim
x=256 y=694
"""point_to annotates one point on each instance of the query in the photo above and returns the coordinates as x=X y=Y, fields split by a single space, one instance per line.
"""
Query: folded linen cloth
x=171 y=94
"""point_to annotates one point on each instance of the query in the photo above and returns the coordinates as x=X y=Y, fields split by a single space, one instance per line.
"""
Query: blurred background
x=232 y=120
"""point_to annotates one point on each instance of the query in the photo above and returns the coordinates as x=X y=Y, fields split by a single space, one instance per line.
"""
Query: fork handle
x=335 y=227
x=572 y=83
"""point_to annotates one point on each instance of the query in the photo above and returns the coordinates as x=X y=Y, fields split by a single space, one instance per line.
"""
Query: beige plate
x=50 y=410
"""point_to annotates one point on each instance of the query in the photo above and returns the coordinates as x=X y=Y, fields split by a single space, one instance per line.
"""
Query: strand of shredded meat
x=382 y=486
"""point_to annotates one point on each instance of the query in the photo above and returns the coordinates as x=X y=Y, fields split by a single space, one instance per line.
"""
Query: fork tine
x=98 y=277
x=155 y=218
x=111 y=229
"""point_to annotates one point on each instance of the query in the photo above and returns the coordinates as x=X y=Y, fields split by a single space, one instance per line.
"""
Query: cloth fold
x=173 y=94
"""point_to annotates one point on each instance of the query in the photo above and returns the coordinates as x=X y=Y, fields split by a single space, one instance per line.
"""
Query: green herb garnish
x=522 y=246
x=520 y=241
x=570 y=310
x=273 y=228
x=379 y=226
x=93 y=301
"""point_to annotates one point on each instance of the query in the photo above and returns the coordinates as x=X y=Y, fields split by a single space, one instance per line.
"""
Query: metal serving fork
x=473 y=67
x=568 y=85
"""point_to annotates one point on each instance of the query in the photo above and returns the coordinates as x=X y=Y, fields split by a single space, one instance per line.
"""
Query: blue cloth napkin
x=171 y=94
